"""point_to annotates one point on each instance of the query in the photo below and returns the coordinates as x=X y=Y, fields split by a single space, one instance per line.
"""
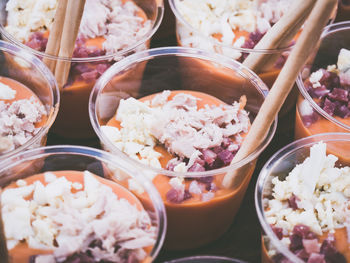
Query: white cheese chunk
x=343 y=60
x=6 y=93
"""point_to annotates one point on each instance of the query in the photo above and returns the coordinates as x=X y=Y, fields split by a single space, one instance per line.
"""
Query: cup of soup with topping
x=58 y=205
x=109 y=31
x=183 y=136
x=343 y=12
x=324 y=101
x=29 y=100
x=302 y=201
x=233 y=28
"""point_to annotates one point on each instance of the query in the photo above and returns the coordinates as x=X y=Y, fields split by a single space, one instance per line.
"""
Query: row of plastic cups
x=72 y=121
x=193 y=67
x=189 y=222
x=73 y=162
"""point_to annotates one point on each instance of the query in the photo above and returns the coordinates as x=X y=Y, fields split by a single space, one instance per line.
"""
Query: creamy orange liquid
x=193 y=222
x=21 y=253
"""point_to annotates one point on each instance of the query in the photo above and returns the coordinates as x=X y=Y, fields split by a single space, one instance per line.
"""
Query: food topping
x=77 y=222
x=330 y=89
x=310 y=202
x=237 y=23
x=17 y=119
x=118 y=22
x=199 y=138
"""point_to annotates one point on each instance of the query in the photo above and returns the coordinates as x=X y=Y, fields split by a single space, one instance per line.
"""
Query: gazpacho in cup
x=324 y=101
x=29 y=100
x=183 y=138
x=66 y=210
x=302 y=201
x=109 y=31
x=233 y=28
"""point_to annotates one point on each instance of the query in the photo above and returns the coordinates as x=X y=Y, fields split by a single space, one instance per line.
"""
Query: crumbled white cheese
x=177 y=124
x=58 y=219
x=177 y=183
x=223 y=18
x=321 y=191
x=27 y=16
x=344 y=60
x=6 y=93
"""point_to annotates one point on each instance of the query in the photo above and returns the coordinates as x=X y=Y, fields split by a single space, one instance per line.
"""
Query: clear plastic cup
x=280 y=164
x=19 y=65
x=334 y=38
x=205 y=259
x=108 y=168
x=190 y=224
x=73 y=119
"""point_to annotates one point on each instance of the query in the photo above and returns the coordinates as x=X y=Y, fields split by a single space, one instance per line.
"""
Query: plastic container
x=190 y=224
x=75 y=159
x=205 y=259
x=280 y=164
x=21 y=66
x=73 y=119
x=334 y=38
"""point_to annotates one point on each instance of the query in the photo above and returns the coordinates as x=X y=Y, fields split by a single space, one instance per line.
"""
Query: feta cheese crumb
x=315 y=78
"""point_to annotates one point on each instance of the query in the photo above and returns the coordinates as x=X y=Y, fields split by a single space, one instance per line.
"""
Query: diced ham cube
x=339 y=94
x=225 y=156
